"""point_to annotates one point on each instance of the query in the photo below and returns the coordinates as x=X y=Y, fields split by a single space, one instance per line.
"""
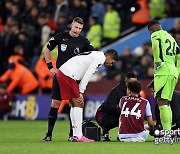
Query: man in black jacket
x=107 y=115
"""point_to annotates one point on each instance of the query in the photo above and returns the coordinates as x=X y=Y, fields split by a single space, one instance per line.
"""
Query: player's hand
x=80 y=100
x=54 y=71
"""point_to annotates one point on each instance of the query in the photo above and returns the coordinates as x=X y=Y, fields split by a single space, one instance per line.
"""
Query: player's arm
x=155 y=46
x=88 y=46
x=149 y=118
x=156 y=51
x=92 y=69
x=111 y=104
x=150 y=124
x=47 y=53
x=178 y=58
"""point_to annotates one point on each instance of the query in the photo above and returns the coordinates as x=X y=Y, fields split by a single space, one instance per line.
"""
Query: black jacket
x=110 y=105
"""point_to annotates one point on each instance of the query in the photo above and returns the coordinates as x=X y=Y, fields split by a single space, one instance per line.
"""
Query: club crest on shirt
x=76 y=51
x=63 y=47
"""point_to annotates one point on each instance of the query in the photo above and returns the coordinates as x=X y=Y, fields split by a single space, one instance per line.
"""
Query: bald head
x=154 y=26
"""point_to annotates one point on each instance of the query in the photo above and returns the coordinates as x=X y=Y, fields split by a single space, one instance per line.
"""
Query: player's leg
x=53 y=110
x=99 y=116
x=77 y=119
x=140 y=137
x=70 y=130
x=72 y=118
x=158 y=120
x=164 y=87
x=109 y=122
x=175 y=107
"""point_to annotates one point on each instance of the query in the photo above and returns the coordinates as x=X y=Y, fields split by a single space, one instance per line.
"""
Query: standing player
x=133 y=109
x=165 y=52
x=69 y=45
x=175 y=107
x=80 y=68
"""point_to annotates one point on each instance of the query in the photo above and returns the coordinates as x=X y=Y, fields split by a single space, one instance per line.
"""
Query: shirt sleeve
x=53 y=42
x=178 y=58
x=92 y=68
x=155 y=46
x=88 y=46
x=148 y=109
x=111 y=104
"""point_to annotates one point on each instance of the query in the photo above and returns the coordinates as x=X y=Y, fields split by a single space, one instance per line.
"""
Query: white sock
x=73 y=121
x=78 y=113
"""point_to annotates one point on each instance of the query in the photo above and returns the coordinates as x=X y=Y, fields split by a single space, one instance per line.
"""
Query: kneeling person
x=133 y=109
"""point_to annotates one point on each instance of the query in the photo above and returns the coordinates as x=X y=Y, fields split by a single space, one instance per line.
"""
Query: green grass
x=21 y=137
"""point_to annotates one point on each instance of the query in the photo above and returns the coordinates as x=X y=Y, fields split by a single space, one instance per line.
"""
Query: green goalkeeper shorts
x=164 y=86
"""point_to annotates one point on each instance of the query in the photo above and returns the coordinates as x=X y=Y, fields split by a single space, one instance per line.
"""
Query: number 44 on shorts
x=127 y=112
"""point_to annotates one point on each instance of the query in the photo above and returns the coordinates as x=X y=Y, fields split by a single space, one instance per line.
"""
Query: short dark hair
x=78 y=20
x=134 y=86
x=151 y=23
x=131 y=75
x=113 y=53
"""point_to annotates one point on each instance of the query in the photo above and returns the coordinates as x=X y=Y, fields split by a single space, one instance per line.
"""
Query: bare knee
x=55 y=103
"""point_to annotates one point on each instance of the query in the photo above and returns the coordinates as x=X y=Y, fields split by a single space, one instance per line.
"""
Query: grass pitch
x=21 y=137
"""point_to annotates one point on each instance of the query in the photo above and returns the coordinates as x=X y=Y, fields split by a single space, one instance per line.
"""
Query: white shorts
x=139 y=137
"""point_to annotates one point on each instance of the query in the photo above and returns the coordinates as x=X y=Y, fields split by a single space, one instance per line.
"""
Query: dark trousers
x=175 y=107
x=107 y=121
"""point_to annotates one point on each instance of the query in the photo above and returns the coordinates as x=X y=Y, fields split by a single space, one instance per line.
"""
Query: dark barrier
x=33 y=107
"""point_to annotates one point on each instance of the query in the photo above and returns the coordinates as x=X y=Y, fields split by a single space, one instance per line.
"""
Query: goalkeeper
x=175 y=107
x=165 y=53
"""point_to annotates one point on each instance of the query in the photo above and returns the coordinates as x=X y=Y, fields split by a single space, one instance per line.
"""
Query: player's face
x=109 y=62
x=76 y=29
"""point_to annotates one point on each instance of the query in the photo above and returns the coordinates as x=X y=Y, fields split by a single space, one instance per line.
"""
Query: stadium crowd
x=27 y=25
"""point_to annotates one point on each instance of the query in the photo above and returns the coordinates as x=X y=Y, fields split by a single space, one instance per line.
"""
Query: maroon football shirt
x=133 y=111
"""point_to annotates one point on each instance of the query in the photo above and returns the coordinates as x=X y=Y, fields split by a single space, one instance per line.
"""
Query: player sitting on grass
x=133 y=109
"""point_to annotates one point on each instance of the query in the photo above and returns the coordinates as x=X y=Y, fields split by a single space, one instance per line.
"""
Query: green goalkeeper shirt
x=165 y=52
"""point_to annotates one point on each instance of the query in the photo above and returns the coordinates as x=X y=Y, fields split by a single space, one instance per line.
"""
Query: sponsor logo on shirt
x=63 y=47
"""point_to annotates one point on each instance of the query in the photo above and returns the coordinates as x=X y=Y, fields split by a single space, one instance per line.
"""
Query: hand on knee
x=78 y=103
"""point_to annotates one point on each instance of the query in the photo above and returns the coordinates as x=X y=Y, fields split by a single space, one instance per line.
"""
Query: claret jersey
x=132 y=112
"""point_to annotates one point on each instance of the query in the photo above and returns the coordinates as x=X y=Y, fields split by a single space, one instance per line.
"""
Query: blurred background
x=27 y=25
